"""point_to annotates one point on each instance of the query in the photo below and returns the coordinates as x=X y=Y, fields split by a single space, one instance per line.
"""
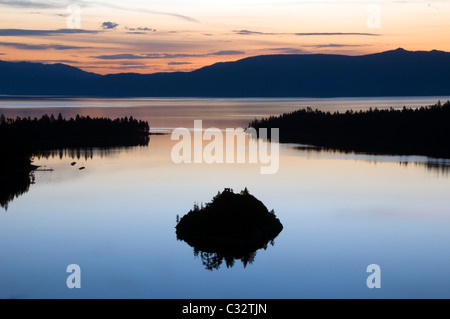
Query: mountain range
x=391 y=73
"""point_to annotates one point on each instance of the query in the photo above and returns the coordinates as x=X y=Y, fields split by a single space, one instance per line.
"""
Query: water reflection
x=13 y=185
x=15 y=169
x=231 y=227
x=440 y=166
x=16 y=180
x=85 y=153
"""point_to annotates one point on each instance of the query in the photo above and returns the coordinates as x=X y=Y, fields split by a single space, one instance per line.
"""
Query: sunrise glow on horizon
x=165 y=36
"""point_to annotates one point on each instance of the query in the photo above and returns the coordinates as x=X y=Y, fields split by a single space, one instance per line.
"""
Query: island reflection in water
x=232 y=226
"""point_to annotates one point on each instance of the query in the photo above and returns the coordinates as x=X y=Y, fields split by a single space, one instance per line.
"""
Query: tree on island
x=232 y=226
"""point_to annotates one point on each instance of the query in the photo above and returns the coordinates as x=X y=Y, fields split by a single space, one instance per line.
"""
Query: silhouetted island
x=232 y=226
x=21 y=138
x=421 y=131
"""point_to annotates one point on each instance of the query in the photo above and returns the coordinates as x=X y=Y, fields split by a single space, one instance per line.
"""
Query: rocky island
x=232 y=226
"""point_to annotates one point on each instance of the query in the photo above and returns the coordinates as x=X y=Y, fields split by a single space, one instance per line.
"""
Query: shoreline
x=422 y=131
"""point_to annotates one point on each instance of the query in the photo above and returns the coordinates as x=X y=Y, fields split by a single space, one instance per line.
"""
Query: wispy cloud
x=144 y=10
x=49 y=61
x=66 y=61
x=334 y=45
x=114 y=67
x=52 y=4
x=133 y=63
x=140 y=30
x=337 y=33
x=25 y=46
x=24 y=32
x=127 y=56
x=248 y=32
x=305 y=47
x=289 y=50
x=178 y=63
x=29 y=4
x=229 y=52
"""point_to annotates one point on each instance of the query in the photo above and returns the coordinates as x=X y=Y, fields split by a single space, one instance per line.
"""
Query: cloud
x=178 y=63
x=337 y=33
x=143 y=10
x=24 y=46
x=128 y=67
x=175 y=15
x=333 y=45
x=164 y=55
x=316 y=46
x=248 y=32
x=119 y=57
x=109 y=67
x=289 y=50
x=230 y=52
x=23 y=32
x=131 y=63
x=49 y=61
x=29 y=4
x=65 y=61
x=145 y=29
x=108 y=25
x=52 y=4
x=141 y=29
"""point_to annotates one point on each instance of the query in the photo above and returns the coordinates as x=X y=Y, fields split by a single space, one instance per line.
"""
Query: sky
x=149 y=36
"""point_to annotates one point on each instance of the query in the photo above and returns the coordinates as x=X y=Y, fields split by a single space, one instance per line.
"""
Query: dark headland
x=232 y=226
x=420 y=131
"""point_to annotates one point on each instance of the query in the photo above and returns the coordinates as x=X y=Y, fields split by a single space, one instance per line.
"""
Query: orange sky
x=173 y=35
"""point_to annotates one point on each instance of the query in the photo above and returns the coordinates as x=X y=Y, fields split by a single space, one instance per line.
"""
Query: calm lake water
x=116 y=219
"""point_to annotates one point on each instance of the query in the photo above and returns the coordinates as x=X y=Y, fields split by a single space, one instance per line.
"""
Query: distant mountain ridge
x=391 y=73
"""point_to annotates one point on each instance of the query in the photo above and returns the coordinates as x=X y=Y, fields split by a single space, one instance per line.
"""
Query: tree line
x=418 y=131
x=50 y=132
x=21 y=138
